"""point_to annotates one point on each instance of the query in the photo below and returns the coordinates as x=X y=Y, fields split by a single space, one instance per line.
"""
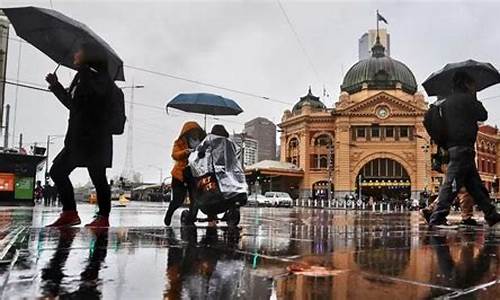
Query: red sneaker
x=66 y=218
x=99 y=221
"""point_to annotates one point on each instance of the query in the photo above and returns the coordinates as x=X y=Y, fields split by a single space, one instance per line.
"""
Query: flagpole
x=378 y=37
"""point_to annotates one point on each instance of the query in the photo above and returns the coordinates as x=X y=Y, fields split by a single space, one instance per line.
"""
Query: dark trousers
x=180 y=189
x=179 y=193
x=461 y=172
x=62 y=167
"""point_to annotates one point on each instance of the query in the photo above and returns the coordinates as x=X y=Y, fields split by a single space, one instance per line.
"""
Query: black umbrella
x=59 y=36
x=207 y=104
x=441 y=82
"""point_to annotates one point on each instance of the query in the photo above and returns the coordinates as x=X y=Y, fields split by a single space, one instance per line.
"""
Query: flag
x=381 y=18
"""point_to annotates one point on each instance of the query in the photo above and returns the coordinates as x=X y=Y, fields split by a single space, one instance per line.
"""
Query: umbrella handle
x=58 y=65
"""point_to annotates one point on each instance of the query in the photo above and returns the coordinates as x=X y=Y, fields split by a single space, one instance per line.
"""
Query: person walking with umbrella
x=461 y=114
x=190 y=137
x=88 y=142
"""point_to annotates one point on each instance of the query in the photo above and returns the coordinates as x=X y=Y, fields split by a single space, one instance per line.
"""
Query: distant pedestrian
x=46 y=193
x=190 y=137
x=38 y=191
x=461 y=114
x=88 y=141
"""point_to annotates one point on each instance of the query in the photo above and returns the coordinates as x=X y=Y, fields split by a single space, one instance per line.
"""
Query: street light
x=161 y=172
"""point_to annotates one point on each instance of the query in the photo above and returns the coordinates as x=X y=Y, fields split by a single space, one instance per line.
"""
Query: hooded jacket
x=180 y=151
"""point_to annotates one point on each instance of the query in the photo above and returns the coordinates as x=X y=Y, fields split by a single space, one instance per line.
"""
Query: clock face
x=382 y=112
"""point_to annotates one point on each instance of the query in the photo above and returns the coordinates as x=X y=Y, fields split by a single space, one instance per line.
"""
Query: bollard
x=373 y=207
x=353 y=204
x=401 y=208
x=381 y=207
x=388 y=207
x=345 y=204
x=364 y=206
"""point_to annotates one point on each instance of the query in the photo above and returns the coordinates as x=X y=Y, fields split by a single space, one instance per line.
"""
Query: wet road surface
x=280 y=253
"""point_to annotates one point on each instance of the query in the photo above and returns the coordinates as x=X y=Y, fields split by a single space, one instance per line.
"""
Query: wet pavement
x=285 y=253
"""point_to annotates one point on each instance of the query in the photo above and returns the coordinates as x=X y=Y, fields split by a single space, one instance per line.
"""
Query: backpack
x=434 y=123
x=117 y=111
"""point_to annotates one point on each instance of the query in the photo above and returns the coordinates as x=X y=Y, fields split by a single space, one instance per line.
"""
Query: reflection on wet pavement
x=276 y=254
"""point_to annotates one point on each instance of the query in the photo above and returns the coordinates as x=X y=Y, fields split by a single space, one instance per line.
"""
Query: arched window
x=322 y=141
x=293 y=151
x=323 y=146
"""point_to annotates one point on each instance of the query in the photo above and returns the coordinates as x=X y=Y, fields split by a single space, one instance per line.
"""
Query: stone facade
x=368 y=109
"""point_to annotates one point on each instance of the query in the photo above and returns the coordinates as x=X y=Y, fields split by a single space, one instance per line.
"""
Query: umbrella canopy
x=59 y=36
x=203 y=103
x=441 y=82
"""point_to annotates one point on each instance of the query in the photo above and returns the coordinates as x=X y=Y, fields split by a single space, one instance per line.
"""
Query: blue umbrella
x=207 y=104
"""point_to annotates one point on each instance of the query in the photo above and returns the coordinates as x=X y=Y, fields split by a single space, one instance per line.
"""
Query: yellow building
x=373 y=136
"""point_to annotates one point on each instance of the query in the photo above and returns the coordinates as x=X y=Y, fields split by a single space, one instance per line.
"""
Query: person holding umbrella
x=88 y=143
x=461 y=113
x=190 y=137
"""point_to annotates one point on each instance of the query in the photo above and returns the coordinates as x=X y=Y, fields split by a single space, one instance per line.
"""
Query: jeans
x=461 y=172
x=465 y=202
x=62 y=167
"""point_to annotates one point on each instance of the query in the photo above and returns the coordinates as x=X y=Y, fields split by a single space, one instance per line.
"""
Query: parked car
x=257 y=200
x=279 y=199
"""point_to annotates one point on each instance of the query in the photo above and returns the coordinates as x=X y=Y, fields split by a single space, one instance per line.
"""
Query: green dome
x=311 y=100
x=379 y=72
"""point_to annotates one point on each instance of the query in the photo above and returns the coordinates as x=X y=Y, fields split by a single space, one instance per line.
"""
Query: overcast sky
x=243 y=45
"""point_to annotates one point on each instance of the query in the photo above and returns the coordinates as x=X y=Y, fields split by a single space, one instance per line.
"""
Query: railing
x=350 y=205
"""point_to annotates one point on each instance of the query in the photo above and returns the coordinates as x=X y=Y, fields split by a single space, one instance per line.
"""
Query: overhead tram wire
x=177 y=113
x=193 y=81
x=299 y=41
x=211 y=85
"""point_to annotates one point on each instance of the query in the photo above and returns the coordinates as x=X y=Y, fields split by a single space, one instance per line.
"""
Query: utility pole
x=359 y=188
x=426 y=149
x=243 y=136
x=128 y=168
x=6 y=133
x=47 y=161
x=329 y=162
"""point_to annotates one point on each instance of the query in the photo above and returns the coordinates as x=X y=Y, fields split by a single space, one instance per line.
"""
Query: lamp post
x=329 y=162
x=161 y=172
x=426 y=148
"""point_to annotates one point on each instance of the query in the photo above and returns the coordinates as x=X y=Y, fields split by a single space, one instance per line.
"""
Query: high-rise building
x=368 y=39
x=250 y=148
x=264 y=131
x=4 y=41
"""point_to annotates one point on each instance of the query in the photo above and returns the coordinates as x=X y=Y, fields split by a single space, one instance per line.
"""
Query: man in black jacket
x=462 y=112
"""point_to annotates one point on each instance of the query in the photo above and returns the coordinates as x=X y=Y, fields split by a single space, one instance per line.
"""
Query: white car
x=279 y=199
x=257 y=200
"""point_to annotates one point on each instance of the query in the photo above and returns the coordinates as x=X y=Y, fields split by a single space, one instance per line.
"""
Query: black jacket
x=462 y=112
x=88 y=142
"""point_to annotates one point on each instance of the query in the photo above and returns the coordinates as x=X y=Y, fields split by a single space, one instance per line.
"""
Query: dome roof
x=379 y=72
x=309 y=99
